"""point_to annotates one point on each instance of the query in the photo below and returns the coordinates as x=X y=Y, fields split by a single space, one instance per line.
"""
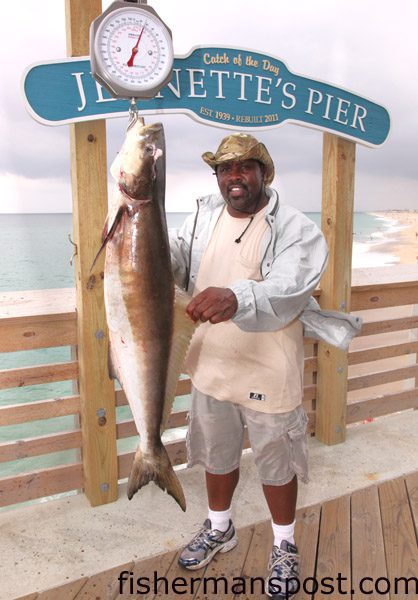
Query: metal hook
x=134 y=114
x=75 y=251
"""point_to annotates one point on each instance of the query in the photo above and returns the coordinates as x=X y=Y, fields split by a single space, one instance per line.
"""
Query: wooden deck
x=371 y=533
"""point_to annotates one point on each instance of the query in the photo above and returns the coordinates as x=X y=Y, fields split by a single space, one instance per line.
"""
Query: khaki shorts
x=278 y=441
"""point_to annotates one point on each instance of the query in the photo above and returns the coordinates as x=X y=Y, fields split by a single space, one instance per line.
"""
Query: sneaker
x=205 y=544
x=283 y=579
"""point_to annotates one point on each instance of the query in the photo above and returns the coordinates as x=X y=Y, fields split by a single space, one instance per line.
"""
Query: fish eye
x=149 y=149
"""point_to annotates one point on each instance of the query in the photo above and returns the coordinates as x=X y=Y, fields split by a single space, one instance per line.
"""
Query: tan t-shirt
x=261 y=370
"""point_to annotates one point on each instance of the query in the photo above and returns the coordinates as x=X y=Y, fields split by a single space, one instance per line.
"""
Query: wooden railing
x=383 y=378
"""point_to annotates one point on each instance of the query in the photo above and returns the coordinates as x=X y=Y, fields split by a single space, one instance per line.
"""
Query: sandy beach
x=402 y=243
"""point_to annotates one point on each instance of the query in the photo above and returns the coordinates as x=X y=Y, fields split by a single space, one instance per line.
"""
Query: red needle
x=130 y=62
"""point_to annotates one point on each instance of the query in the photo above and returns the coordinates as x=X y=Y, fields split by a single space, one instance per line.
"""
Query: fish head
x=135 y=167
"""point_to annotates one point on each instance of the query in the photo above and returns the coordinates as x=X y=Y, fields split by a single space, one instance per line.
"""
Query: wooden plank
x=365 y=381
x=120 y=398
x=338 y=166
x=45 y=444
x=389 y=325
x=34 y=335
x=184 y=387
x=38 y=484
x=399 y=275
x=37 y=305
x=331 y=395
x=381 y=405
x=306 y=538
x=255 y=563
x=310 y=364
x=337 y=219
x=310 y=377
x=89 y=190
x=411 y=482
x=54 y=303
x=125 y=429
x=309 y=393
x=367 y=551
x=334 y=547
x=414 y=335
x=33 y=596
x=43 y=409
x=175 y=571
x=384 y=295
x=68 y=591
x=59 y=304
x=310 y=341
x=24 y=376
x=399 y=535
x=104 y=585
x=148 y=570
x=220 y=572
x=381 y=352
x=178 y=419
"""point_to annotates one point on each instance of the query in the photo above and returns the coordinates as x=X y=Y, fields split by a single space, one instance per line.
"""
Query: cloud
x=31 y=152
x=23 y=194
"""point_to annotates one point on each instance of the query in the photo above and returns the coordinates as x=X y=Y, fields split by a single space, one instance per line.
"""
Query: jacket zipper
x=269 y=243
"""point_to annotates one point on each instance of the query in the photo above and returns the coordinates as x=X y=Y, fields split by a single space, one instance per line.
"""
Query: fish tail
x=156 y=468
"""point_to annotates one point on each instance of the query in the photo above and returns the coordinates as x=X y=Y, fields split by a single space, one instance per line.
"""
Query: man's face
x=241 y=184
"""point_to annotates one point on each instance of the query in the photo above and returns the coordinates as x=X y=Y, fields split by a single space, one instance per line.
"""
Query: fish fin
x=115 y=167
x=156 y=468
x=183 y=330
x=108 y=233
x=113 y=373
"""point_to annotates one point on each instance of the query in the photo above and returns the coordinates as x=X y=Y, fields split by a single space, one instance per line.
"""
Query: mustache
x=233 y=185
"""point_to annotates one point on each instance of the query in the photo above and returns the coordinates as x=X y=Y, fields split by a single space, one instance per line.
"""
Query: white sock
x=283 y=532
x=219 y=518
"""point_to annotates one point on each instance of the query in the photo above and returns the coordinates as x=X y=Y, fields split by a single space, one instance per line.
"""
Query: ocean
x=35 y=249
x=35 y=252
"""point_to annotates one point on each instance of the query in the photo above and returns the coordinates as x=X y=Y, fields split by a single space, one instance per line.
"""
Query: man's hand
x=214 y=304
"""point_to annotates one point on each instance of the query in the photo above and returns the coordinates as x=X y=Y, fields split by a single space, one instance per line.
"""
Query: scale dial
x=131 y=51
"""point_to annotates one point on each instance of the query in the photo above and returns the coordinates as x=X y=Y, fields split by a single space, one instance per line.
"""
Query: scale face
x=131 y=51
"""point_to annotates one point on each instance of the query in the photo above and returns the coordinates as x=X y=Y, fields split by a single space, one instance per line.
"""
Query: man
x=251 y=264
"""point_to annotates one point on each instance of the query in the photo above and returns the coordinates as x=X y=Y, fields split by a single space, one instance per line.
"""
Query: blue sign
x=227 y=87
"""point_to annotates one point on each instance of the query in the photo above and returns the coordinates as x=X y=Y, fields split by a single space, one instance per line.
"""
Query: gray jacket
x=294 y=255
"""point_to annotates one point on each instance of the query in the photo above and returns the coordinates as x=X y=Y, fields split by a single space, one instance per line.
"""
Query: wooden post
x=337 y=226
x=89 y=189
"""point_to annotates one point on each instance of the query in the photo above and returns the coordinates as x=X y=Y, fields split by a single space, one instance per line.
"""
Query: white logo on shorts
x=256 y=396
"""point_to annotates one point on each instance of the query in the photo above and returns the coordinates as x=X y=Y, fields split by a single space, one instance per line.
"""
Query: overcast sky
x=366 y=46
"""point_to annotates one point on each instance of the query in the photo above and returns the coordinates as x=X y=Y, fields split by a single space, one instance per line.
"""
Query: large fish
x=148 y=326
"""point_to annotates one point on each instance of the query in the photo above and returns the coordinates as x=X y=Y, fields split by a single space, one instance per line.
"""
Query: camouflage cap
x=241 y=146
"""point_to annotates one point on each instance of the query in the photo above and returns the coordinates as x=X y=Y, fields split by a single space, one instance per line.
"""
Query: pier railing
x=382 y=379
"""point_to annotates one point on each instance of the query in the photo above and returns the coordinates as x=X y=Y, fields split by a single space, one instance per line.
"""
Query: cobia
x=148 y=327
